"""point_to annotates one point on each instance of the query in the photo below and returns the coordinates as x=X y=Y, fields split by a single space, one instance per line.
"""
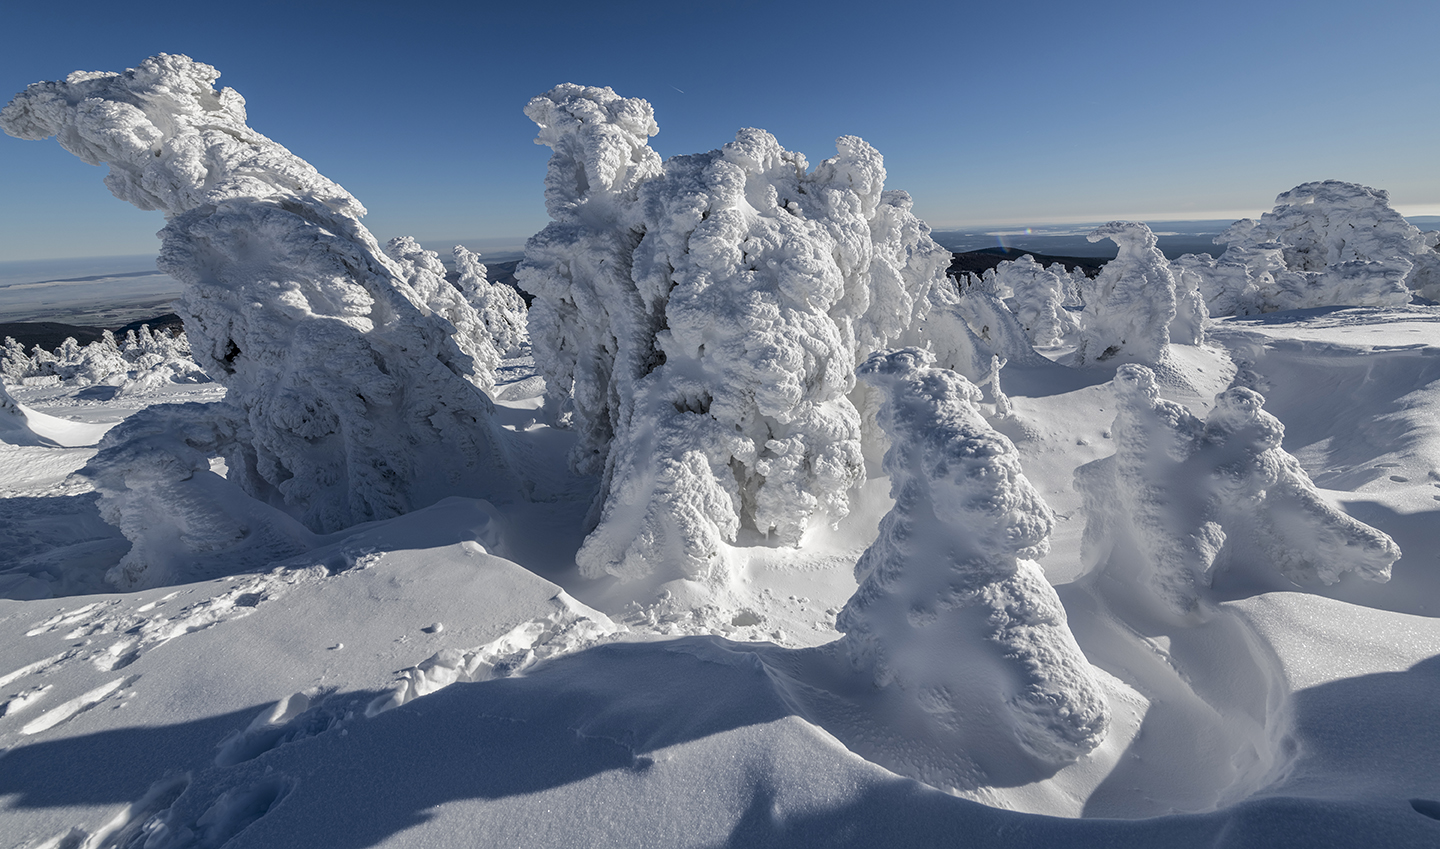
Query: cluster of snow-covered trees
x=143 y=361
x=699 y=323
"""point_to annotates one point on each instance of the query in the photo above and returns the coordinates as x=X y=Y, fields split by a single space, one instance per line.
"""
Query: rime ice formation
x=500 y=307
x=952 y=609
x=703 y=316
x=184 y=522
x=1039 y=294
x=146 y=361
x=1131 y=305
x=1182 y=499
x=354 y=395
x=425 y=275
x=1325 y=243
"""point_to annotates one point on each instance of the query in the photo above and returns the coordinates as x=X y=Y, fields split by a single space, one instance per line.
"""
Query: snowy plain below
x=448 y=678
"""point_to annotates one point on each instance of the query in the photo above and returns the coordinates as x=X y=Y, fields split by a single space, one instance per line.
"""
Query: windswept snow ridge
x=1178 y=492
x=952 y=609
x=340 y=361
x=704 y=316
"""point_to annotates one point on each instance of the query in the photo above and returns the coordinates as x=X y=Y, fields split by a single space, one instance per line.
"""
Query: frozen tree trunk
x=1181 y=499
x=1130 y=305
x=705 y=316
x=952 y=610
x=357 y=402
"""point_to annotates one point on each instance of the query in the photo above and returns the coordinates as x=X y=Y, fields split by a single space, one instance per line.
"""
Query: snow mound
x=704 y=316
x=1182 y=499
x=341 y=361
x=952 y=609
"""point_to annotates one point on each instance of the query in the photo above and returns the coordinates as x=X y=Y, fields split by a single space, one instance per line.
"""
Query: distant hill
x=976 y=262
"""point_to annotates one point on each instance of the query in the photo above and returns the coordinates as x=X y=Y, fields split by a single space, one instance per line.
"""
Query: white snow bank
x=952 y=609
x=1179 y=493
x=356 y=400
x=20 y=425
x=704 y=316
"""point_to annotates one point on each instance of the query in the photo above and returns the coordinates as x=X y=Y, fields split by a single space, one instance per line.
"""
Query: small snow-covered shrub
x=1325 y=243
x=357 y=401
x=951 y=609
x=1179 y=493
x=500 y=307
x=1131 y=305
x=698 y=321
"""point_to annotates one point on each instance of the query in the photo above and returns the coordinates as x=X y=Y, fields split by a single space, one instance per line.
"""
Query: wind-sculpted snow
x=340 y=360
x=500 y=307
x=951 y=608
x=704 y=317
x=1183 y=499
x=1324 y=244
x=1131 y=305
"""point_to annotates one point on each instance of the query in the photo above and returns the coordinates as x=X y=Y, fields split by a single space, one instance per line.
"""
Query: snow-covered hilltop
x=754 y=529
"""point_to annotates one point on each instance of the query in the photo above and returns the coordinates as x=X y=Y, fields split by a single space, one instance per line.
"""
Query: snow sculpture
x=1182 y=499
x=354 y=395
x=1325 y=243
x=1131 y=304
x=704 y=316
x=952 y=609
x=1039 y=294
x=500 y=307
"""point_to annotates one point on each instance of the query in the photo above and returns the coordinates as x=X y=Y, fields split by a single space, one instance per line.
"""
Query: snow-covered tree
x=1131 y=304
x=1325 y=243
x=1179 y=492
x=705 y=316
x=1039 y=297
x=15 y=363
x=425 y=275
x=952 y=610
x=500 y=307
x=355 y=397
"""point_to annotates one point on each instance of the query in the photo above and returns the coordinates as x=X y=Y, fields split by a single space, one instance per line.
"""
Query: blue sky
x=1009 y=112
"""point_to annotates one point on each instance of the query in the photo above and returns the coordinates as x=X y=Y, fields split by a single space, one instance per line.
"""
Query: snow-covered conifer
x=1130 y=305
x=1039 y=294
x=500 y=306
x=15 y=363
x=706 y=315
x=354 y=393
x=1178 y=492
x=425 y=274
x=951 y=609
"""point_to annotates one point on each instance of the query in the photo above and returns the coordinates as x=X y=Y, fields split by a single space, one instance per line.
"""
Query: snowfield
x=755 y=529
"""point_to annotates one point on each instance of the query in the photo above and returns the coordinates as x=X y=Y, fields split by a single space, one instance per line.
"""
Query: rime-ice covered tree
x=1325 y=243
x=952 y=610
x=704 y=316
x=1039 y=297
x=1131 y=305
x=353 y=398
x=1180 y=493
x=425 y=275
x=500 y=307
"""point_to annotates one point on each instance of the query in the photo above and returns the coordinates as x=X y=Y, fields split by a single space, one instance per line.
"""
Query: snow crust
x=1178 y=490
x=704 y=315
x=1325 y=243
x=951 y=607
x=346 y=380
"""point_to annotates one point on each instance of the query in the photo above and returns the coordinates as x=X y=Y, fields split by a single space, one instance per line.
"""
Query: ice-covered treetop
x=173 y=143
x=1134 y=239
x=600 y=142
x=1329 y=222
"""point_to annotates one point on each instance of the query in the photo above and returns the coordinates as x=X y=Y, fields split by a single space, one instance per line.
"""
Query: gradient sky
x=1014 y=112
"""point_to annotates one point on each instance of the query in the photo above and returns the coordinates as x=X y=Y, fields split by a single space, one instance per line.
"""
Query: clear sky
x=1004 y=112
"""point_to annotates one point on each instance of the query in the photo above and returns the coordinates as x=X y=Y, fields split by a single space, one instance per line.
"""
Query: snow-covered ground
x=449 y=678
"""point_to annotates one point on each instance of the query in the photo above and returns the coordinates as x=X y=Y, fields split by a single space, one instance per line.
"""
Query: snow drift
x=952 y=608
x=1182 y=499
x=698 y=322
x=341 y=362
